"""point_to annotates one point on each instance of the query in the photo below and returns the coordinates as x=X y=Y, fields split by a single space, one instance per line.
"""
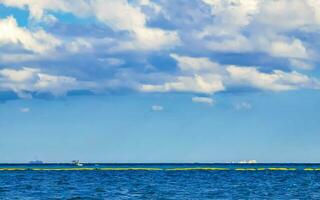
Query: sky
x=159 y=81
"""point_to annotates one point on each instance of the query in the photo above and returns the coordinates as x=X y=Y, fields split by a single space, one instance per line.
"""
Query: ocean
x=160 y=181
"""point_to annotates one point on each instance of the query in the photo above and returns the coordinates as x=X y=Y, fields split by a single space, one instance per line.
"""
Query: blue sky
x=159 y=81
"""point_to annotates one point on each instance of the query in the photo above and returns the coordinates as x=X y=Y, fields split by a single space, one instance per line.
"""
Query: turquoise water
x=160 y=181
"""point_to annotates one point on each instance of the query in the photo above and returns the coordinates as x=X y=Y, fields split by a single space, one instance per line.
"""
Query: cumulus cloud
x=275 y=81
x=190 y=46
x=113 y=62
x=18 y=57
x=224 y=76
x=243 y=106
x=198 y=83
x=301 y=64
x=292 y=49
x=25 y=110
x=266 y=25
x=38 y=41
x=135 y=21
x=27 y=80
x=229 y=17
x=78 y=45
x=156 y=108
x=110 y=13
x=195 y=64
x=205 y=100
x=38 y=8
x=193 y=78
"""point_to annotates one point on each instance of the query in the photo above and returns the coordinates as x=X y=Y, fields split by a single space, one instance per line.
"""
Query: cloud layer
x=146 y=46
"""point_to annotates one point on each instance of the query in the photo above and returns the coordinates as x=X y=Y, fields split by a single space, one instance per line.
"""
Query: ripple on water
x=190 y=184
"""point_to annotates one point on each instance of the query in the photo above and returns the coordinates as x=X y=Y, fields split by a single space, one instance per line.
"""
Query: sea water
x=160 y=181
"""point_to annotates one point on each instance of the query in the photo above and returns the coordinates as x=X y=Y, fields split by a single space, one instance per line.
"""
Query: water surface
x=169 y=181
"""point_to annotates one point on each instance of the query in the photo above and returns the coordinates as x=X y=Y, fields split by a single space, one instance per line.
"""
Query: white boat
x=38 y=162
x=247 y=162
x=77 y=163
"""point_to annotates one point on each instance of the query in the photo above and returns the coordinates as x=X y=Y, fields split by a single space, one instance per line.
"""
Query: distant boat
x=38 y=162
x=77 y=163
x=247 y=162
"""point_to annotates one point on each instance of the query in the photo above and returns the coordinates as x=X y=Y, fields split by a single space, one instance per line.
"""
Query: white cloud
x=186 y=63
x=243 y=106
x=25 y=110
x=37 y=41
x=265 y=23
x=300 y=64
x=113 y=62
x=229 y=17
x=111 y=12
x=19 y=57
x=154 y=38
x=286 y=15
x=196 y=76
x=275 y=81
x=293 y=49
x=150 y=4
x=205 y=100
x=193 y=77
x=235 y=43
x=134 y=21
x=198 y=83
x=117 y=14
x=27 y=80
x=57 y=85
x=38 y=8
x=78 y=45
x=233 y=14
x=157 y=108
x=276 y=28
x=18 y=75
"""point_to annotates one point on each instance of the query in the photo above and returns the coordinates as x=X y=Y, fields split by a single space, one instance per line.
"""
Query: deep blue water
x=161 y=184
